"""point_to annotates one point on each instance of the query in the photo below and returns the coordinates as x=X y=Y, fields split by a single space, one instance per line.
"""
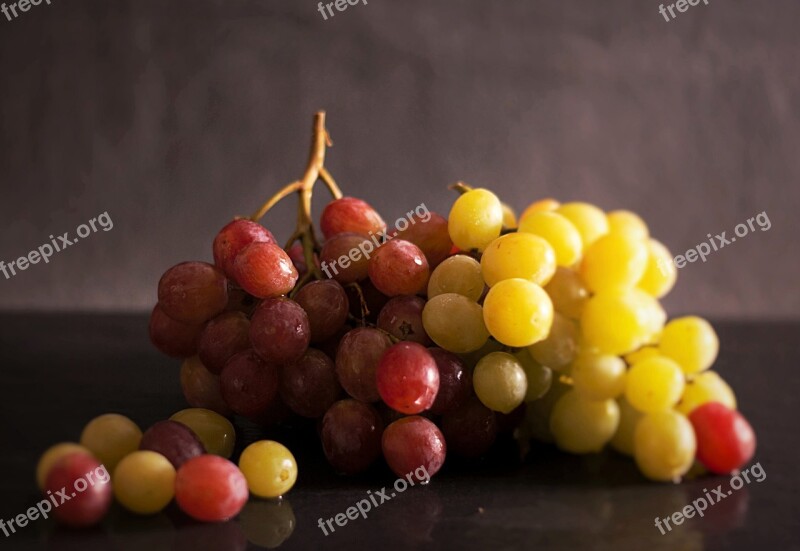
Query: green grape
x=628 y=223
x=583 y=426
x=616 y=322
x=661 y=273
x=655 y=384
x=560 y=347
x=614 y=261
x=705 y=387
x=539 y=377
x=664 y=445
x=500 y=382
x=475 y=220
x=518 y=255
x=690 y=341
x=628 y=419
x=110 y=437
x=598 y=376
x=568 y=292
x=643 y=353
x=590 y=221
x=537 y=413
x=517 y=312
x=459 y=274
x=562 y=235
x=455 y=323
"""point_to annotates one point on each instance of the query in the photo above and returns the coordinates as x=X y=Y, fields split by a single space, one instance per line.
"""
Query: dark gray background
x=174 y=115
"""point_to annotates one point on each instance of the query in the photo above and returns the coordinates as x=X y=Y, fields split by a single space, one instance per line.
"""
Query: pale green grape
x=568 y=292
x=455 y=323
x=664 y=445
x=629 y=417
x=459 y=274
x=500 y=382
x=583 y=426
x=540 y=378
x=598 y=376
x=560 y=347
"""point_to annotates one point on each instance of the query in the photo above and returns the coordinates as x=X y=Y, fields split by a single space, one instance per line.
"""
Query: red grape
x=193 y=292
x=402 y=318
x=725 y=440
x=173 y=338
x=399 y=268
x=349 y=214
x=264 y=270
x=249 y=384
x=412 y=443
x=175 y=441
x=351 y=436
x=309 y=385
x=83 y=507
x=357 y=360
x=407 y=378
x=234 y=237
x=470 y=429
x=326 y=304
x=432 y=237
x=455 y=381
x=343 y=257
x=280 y=330
x=224 y=336
x=210 y=488
x=201 y=388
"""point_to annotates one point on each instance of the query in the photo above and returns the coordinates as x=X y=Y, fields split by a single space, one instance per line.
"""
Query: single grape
x=401 y=317
x=664 y=445
x=560 y=347
x=173 y=338
x=590 y=221
x=629 y=417
x=568 y=292
x=85 y=507
x=725 y=440
x=471 y=429
x=517 y=312
x=280 y=330
x=655 y=384
x=235 y=236
x=455 y=323
x=357 y=360
x=325 y=302
x=661 y=273
x=309 y=385
x=215 y=432
x=345 y=257
x=690 y=341
x=455 y=381
x=210 y=488
x=518 y=255
x=51 y=456
x=542 y=205
x=349 y=214
x=399 y=268
x=110 y=437
x=267 y=523
x=407 y=378
x=558 y=231
x=598 y=376
x=144 y=482
x=201 y=388
x=222 y=337
x=249 y=384
x=459 y=274
x=430 y=235
x=475 y=220
x=705 y=387
x=539 y=377
x=616 y=322
x=500 y=382
x=269 y=467
x=413 y=444
x=583 y=426
x=193 y=292
x=614 y=261
x=627 y=223
x=264 y=270
x=175 y=441
x=351 y=436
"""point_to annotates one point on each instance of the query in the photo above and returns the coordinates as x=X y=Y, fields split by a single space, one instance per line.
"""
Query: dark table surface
x=59 y=371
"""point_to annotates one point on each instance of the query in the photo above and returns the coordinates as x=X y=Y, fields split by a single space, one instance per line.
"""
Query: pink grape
x=357 y=359
x=349 y=214
x=234 y=237
x=175 y=441
x=455 y=381
x=432 y=237
x=326 y=304
x=264 y=270
x=70 y=473
x=407 y=378
x=342 y=258
x=209 y=488
x=193 y=292
x=402 y=317
x=399 y=268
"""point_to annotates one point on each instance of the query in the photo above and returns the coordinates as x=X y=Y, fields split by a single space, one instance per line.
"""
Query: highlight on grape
x=699 y=505
x=364 y=506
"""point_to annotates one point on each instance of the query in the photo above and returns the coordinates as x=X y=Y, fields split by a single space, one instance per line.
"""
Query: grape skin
x=500 y=382
x=455 y=323
x=664 y=445
x=351 y=436
x=357 y=360
x=349 y=214
x=201 y=388
x=583 y=426
x=173 y=338
x=407 y=378
x=193 y=292
x=280 y=330
x=470 y=429
x=234 y=237
x=249 y=384
x=431 y=237
x=413 y=443
x=399 y=268
x=325 y=302
x=455 y=381
x=264 y=270
x=309 y=385
x=459 y=274
x=222 y=337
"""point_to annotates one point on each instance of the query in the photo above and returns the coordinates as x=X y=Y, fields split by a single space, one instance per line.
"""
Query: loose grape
x=267 y=523
x=309 y=385
x=222 y=337
x=269 y=467
x=402 y=318
x=210 y=488
x=655 y=384
x=175 y=441
x=598 y=376
x=325 y=302
x=661 y=273
x=583 y=426
x=664 y=445
x=399 y=268
x=414 y=443
x=357 y=360
x=568 y=292
x=590 y=221
x=280 y=330
x=84 y=507
x=407 y=378
x=562 y=235
x=455 y=381
x=629 y=416
x=193 y=292
x=616 y=322
x=559 y=348
x=628 y=223
x=264 y=270
x=111 y=437
x=705 y=387
x=500 y=382
x=690 y=341
x=517 y=312
x=52 y=455
x=455 y=323
x=234 y=237
x=725 y=440
x=430 y=235
x=459 y=274
x=144 y=482
x=349 y=214
x=470 y=429
x=343 y=257
x=614 y=261
x=518 y=255
x=201 y=388
x=539 y=377
x=351 y=436
x=542 y=205
x=249 y=384
x=475 y=220
x=214 y=431
x=171 y=337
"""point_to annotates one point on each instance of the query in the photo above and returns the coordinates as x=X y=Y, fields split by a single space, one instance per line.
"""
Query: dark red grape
x=431 y=236
x=249 y=384
x=402 y=318
x=201 y=388
x=193 y=292
x=175 y=441
x=345 y=257
x=407 y=378
x=264 y=270
x=357 y=359
x=331 y=345
x=173 y=338
x=725 y=440
x=470 y=429
x=326 y=304
x=309 y=385
x=224 y=336
x=234 y=237
x=455 y=381
x=399 y=268
x=84 y=507
x=349 y=214
x=280 y=330
x=413 y=443
x=351 y=436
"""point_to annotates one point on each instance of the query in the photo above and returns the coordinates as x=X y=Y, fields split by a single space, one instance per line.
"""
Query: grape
x=51 y=456
x=627 y=223
x=345 y=257
x=583 y=426
x=215 y=432
x=234 y=237
x=267 y=523
x=539 y=377
x=349 y=214
x=280 y=330
x=590 y=221
x=110 y=437
x=655 y=384
x=455 y=323
x=471 y=429
x=629 y=416
x=517 y=312
x=598 y=376
x=560 y=347
x=455 y=381
x=690 y=341
x=351 y=436
x=542 y=205
x=399 y=268
x=643 y=353
x=264 y=270
x=144 y=482
x=193 y=292
x=309 y=385
x=616 y=322
x=413 y=443
x=326 y=305
x=357 y=360
x=459 y=274
x=70 y=473
x=475 y=220
x=210 y=488
x=725 y=440
x=558 y=231
x=568 y=293
x=500 y=382
x=173 y=338
x=509 y=217
x=431 y=237
x=269 y=467
x=222 y=337
x=402 y=318
x=661 y=273
x=201 y=388
x=518 y=255
x=664 y=445
x=614 y=261
x=249 y=384
x=407 y=378
x=175 y=441
x=705 y=387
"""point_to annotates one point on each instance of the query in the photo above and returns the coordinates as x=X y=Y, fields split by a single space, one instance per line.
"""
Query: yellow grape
x=616 y=322
x=583 y=426
x=655 y=384
x=661 y=273
x=568 y=292
x=628 y=223
x=664 y=445
x=51 y=456
x=642 y=354
x=520 y=255
x=539 y=377
x=542 y=205
x=509 y=217
x=144 y=482
x=598 y=376
x=690 y=341
x=655 y=315
x=517 y=313
x=500 y=382
x=561 y=345
x=614 y=261
x=269 y=467
x=705 y=387
x=590 y=221
x=476 y=219
x=458 y=274
x=557 y=230
x=111 y=437
x=455 y=323
x=629 y=416
x=214 y=431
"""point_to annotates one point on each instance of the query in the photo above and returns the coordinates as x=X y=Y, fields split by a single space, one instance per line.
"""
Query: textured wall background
x=173 y=115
